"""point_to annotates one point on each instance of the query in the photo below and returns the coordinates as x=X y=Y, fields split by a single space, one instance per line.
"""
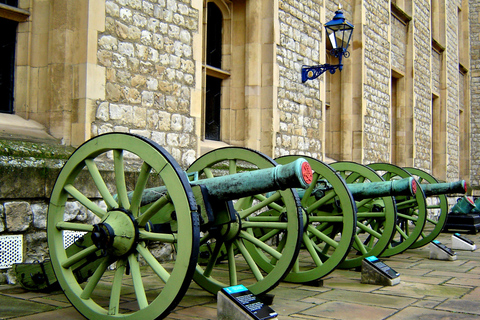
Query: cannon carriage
x=280 y=218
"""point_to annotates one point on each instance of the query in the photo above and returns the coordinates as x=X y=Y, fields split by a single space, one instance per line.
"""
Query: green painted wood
x=411 y=211
x=330 y=224
x=436 y=205
x=264 y=238
x=121 y=235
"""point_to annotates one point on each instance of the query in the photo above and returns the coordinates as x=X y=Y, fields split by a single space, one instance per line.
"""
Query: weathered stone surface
x=148 y=47
x=18 y=216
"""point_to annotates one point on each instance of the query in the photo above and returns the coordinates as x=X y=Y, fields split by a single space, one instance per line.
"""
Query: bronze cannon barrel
x=431 y=189
x=401 y=187
x=297 y=174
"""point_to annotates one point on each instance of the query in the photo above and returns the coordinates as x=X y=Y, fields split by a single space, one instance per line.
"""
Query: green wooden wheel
x=437 y=210
x=268 y=228
x=330 y=217
x=411 y=211
x=376 y=217
x=120 y=234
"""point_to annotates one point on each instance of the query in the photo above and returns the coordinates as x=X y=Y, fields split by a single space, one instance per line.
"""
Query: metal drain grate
x=69 y=237
x=11 y=250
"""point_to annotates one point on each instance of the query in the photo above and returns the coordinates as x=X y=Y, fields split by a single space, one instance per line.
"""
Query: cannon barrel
x=431 y=189
x=401 y=187
x=297 y=174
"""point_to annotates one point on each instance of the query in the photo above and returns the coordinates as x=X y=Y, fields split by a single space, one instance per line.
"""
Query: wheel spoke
x=359 y=245
x=72 y=226
x=153 y=210
x=326 y=218
x=402 y=233
x=79 y=256
x=114 y=304
x=161 y=237
x=265 y=247
x=95 y=278
x=314 y=206
x=213 y=258
x=310 y=188
x=120 y=179
x=369 y=230
x=248 y=258
x=407 y=217
x=322 y=236
x=273 y=205
x=232 y=166
x=100 y=183
x=265 y=224
x=137 y=281
x=313 y=252
x=245 y=213
x=139 y=188
x=153 y=263
x=232 y=268
x=99 y=212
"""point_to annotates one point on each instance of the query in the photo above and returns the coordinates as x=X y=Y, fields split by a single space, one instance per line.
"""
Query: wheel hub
x=117 y=233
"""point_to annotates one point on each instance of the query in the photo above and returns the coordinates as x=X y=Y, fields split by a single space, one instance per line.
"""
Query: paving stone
x=415 y=313
x=473 y=295
x=348 y=311
x=64 y=313
x=461 y=305
x=11 y=307
x=373 y=299
x=420 y=290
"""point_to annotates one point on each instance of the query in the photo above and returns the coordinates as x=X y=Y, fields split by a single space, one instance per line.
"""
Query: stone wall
x=299 y=103
x=399 y=44
x=475 y=91
x=452 y=142
x=377 y=81
x=422 y=102
x=147 y=51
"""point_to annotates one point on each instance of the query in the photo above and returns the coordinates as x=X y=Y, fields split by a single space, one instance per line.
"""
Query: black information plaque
x=382 y=267
x=466 y=240
x=443 y=247
x=249 y=302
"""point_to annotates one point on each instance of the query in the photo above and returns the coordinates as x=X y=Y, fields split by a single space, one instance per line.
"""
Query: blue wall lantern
x=339 y=32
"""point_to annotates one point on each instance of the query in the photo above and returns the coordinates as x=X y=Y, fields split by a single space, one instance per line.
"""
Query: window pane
x=212 y=108
x=214 y=36
x=13 y=3
x=7 y=67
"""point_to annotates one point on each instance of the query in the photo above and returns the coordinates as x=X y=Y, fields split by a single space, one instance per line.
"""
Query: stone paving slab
x=428 y=289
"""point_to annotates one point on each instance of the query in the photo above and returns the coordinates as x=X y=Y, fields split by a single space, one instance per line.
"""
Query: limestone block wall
x=422 y=74
x=474 y=7
x=300 y=105
x=148 y=55
x=399 y=45
x=452 y=60
x=376 y=84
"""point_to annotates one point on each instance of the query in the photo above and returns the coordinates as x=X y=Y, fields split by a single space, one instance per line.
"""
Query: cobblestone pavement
x=428 y=289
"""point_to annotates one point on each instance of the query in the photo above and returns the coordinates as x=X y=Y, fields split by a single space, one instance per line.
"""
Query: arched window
x=215 y=74
x=7 y=56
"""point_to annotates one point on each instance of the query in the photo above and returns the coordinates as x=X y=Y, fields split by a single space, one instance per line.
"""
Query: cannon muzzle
x=402 y=187
x=432 y=189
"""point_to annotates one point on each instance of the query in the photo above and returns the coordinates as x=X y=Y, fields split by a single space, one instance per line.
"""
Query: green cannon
x=344 y=203
x=145 y=236
x=420 y=218
x=465 y=205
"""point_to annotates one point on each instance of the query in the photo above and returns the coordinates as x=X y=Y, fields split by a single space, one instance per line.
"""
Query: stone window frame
x=18 y=15
x=222 y=73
